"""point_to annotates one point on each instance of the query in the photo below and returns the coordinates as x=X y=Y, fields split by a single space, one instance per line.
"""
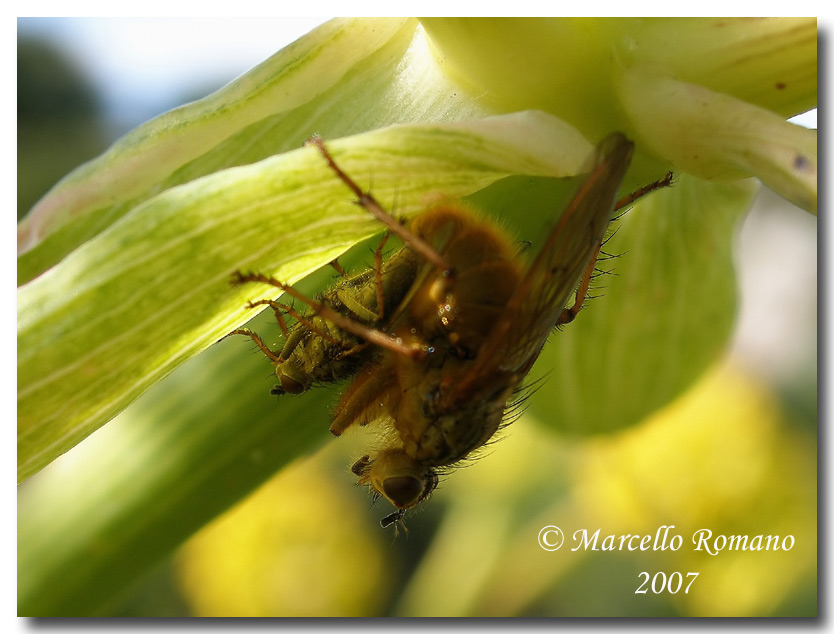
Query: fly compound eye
x=402 y=480
x=289 y=385
x=403 y=491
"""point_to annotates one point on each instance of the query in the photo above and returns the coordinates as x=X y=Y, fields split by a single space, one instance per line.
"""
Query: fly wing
x=535 y=306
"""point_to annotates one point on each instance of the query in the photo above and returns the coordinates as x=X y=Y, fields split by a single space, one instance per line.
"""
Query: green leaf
x=171 y=149
x=93 y=522
x=707 y=95
x=659 y=321
x=715 y=136
x=347 y=76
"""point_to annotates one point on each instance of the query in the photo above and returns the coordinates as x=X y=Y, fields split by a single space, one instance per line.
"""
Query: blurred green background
x=737 y=455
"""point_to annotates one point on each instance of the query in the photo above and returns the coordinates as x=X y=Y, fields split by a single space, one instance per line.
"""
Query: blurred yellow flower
x=295 y=547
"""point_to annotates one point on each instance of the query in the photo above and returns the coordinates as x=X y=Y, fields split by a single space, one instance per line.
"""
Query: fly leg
x=371 y=335
x=666 y=181
x=371 y=205
x=302 y=319
x=338 y=267
x=274 y=355
x=569 y=314
x=356 y=306
x=378 y=275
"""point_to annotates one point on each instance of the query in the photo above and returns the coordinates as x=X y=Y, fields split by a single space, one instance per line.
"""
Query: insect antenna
x=394 y=518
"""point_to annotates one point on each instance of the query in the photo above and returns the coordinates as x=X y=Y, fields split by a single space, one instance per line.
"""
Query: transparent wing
x=533 y=310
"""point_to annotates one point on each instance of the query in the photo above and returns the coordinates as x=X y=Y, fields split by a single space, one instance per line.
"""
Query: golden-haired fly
x=437 y=338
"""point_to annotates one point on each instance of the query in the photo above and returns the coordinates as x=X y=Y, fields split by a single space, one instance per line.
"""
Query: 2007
x=661 y=583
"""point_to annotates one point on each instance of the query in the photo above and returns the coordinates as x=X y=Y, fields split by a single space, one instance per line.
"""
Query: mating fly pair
x=437 y=338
